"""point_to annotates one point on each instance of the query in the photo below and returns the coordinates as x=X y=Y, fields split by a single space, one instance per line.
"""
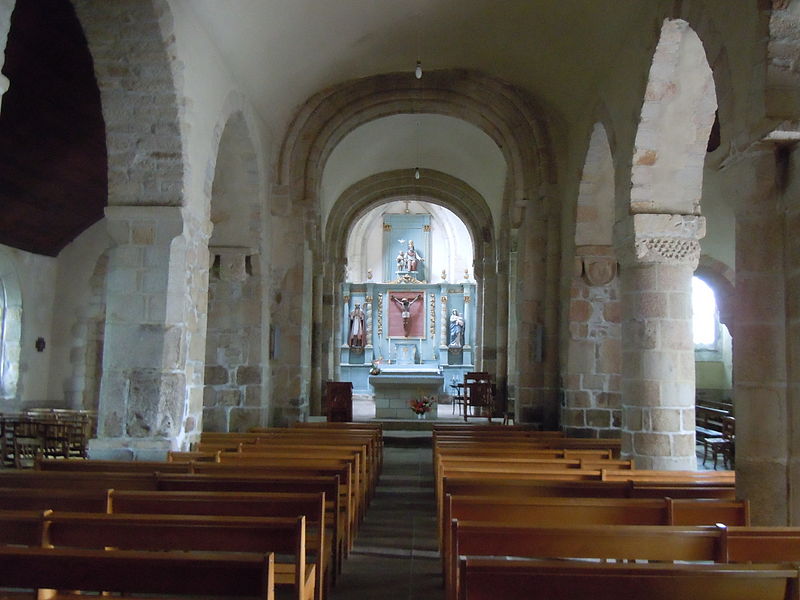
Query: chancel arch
x=441 y=190
x=511 y=119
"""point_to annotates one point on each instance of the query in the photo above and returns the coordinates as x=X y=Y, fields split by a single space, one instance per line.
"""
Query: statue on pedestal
x=356 y=336
x=413 y=258
x=456 y=330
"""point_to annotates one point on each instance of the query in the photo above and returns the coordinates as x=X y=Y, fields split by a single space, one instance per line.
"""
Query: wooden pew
x=672 y=477
x=130 y=572
x=69 y=500
x=490 y=579
x=372 y=438
x=359 y=453
x=348 y=497
x=21 y=527
x=274 y=483
x=548 y=512
x=240 y=504
x=719 y=544
x=191 y=533
x=77 y=480
x=102 y=481
x=110 y=466
x=652 y=543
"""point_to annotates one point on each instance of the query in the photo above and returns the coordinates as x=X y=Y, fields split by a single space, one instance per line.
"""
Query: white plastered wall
x=37 y=277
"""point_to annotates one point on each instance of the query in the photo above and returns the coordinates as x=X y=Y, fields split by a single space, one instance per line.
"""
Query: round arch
x=435 y=187
x=508 y=116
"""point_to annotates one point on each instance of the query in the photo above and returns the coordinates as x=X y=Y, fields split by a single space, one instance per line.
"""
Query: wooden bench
x=546 y=512
x=348 y=500
x=131 y=572
x=241 y=504
x=69 y=500
x=102 y=481
x=490 y=579
x=193 y=533
x=273 y=483
x=719 y=543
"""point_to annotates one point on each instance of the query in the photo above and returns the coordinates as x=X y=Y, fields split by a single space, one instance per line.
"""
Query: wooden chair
x=722 y=446
x=478 y=394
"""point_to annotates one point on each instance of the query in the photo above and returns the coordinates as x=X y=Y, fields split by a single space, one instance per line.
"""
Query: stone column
x=143 y=393
x=368 y=328
x=658 y=255
x=765 y=343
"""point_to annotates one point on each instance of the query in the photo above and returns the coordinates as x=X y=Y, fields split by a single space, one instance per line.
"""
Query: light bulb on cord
x=416 y=173
x=418 y=70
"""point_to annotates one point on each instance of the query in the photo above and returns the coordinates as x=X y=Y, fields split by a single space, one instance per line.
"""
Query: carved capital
x=232 y=261
x=661 y=239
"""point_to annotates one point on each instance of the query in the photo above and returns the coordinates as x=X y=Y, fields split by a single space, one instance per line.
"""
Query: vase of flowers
x=420 y=406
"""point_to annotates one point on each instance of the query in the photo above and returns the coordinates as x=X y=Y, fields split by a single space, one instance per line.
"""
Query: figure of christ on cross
x=405 y=310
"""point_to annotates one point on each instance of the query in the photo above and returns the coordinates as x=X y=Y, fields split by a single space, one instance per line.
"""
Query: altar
x=396 y=386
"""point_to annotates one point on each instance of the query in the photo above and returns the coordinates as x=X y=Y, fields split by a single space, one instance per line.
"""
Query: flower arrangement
x=376 y=366
x=421 y=405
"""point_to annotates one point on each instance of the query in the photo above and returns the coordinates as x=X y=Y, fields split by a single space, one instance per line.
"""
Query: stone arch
x=659 y=248
x=594 y=218
x=676 y=119
x=435 y=187
x=506 y=114
x=138 y=81
x=592 y=396
x=10 y=330
x=232 y=395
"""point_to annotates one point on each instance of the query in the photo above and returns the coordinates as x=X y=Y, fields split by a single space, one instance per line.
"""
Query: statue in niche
x=356 y=337
x=413 y=258
x=405 y=310
x=456 y=330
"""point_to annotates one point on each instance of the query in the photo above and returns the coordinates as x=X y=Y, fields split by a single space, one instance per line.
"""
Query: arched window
x=705 y=316
x=10 y=327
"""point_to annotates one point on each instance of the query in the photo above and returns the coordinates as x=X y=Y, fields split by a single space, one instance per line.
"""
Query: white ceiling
x=283 y=51
x=435 y=142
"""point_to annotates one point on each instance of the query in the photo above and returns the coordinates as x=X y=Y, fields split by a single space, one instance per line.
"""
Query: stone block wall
x=232 y=393
x=592 y=378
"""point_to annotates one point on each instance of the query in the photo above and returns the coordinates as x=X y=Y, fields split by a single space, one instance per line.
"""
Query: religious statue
x=356 y=337
x=413 y=258
x=401 y=261
x=405 y=310
x=456 y=330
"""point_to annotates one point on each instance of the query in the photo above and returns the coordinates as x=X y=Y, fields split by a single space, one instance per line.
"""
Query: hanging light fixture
x=418 y=70
x=416 y=173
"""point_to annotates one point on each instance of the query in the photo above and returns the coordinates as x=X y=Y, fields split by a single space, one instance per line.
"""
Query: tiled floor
x=395 y=555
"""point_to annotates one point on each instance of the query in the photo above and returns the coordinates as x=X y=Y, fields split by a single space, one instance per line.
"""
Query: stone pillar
x=658 y=255
x=593 y=367
x=765 y=344
x=143 y=393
